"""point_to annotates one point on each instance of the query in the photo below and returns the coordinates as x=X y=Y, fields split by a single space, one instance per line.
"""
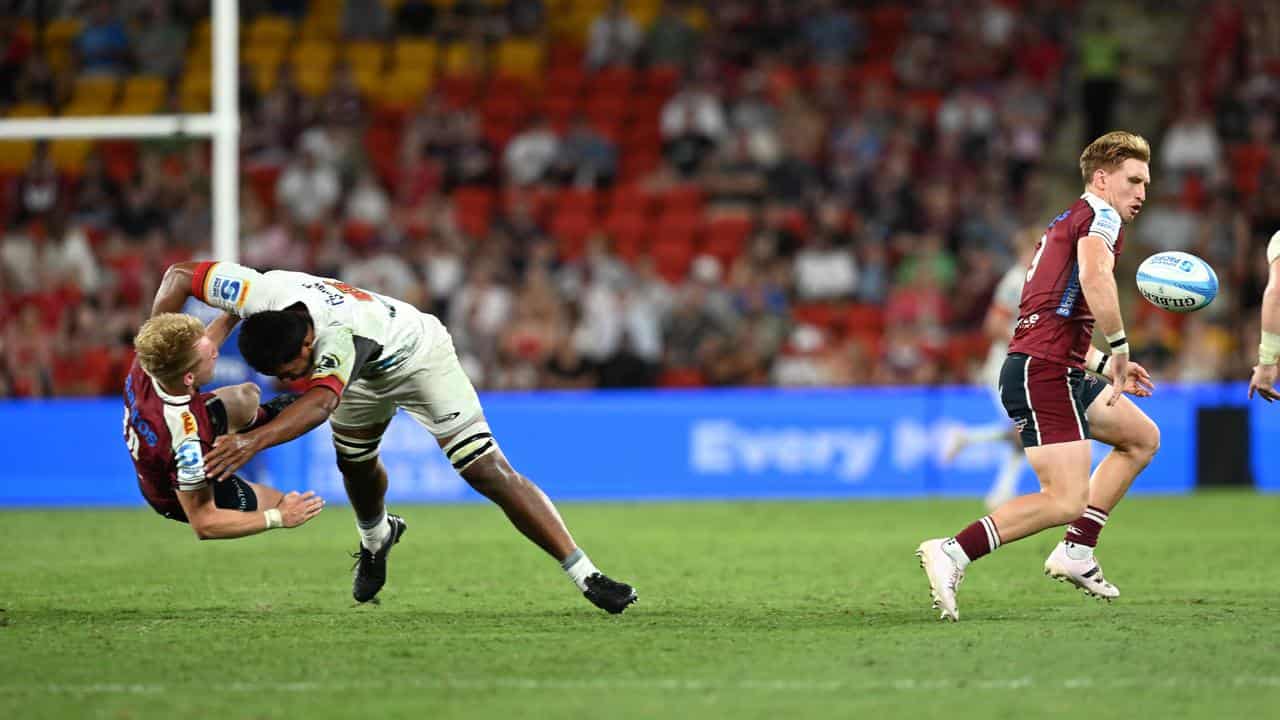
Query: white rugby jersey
x=1008 y=295
x=359 y=334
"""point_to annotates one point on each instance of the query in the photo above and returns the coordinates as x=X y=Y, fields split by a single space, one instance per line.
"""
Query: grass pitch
x=769 y=610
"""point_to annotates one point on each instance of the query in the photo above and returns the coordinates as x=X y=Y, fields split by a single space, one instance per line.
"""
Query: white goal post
x=222 y=126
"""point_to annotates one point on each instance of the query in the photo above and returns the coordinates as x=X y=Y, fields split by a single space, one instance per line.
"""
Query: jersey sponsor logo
x=190 y=460
x=1070 y=294
x=327 y=363
x=188 y=423
x=1065 y=214
x=229 y=291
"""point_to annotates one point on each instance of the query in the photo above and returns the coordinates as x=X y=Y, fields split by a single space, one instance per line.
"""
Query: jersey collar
x=169 y=399
x=1092 y=199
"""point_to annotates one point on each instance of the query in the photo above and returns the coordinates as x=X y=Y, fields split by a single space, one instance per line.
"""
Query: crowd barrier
x=644 y=445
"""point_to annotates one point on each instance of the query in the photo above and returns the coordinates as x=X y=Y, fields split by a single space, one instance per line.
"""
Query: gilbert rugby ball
x=1177 y=281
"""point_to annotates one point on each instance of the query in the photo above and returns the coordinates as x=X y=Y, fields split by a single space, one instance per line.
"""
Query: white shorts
x=431 y=387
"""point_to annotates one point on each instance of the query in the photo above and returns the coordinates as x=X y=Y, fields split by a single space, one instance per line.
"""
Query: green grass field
x=770 y=610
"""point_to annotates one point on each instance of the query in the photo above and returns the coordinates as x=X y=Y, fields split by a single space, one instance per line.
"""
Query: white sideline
x=657 y=684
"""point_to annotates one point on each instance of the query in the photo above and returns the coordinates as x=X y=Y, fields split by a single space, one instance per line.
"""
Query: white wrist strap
x=1118 y=342
x=1269 y=350
x=273 y=518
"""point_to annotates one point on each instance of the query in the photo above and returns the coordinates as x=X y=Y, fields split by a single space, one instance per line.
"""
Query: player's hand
x=1138 y=382
x=1119 y=376
x=229 y=454
x=297 y=508
x=1263 y=382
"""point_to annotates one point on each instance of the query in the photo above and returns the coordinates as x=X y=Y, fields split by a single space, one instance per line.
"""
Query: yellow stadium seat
x=462 y=58
x=87 y=107
x=195 y=103
x=59 y=58
x=403 y=88
x=139 y=106
x=202 y=35
x=314 y=55
x=94 y=88
x=365 y=55
x=643 y=11
x=264 y=77
x=368 y=80
x=419 y=55
x=321 y=26
x=262 y=55
x=69 y=153
x=30 y=110
x=311 y=81
x=62 y=31
x=521 y=58
x=141 y=89
x=270 y=30
x=15 y=155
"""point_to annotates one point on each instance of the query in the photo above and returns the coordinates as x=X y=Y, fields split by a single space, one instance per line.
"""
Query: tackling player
x=1044 y=388
x=364 y=356
x=1263 y=381
x=998 y=326
x=169 y=425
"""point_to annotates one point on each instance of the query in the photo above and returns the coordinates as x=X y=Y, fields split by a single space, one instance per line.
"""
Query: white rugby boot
x=944 y=574
x=1085 y=574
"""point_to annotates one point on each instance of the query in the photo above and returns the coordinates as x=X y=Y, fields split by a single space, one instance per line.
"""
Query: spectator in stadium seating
x=478 y=312
x=36 y=82
x=39 y=191
x=343 y=106
x=367 y=204
x=530 y=154
x=566 y=368
x=734 y=181
x=28 y=355
x=833 y=34
x=267 y=243
x=825 y=268
x=158 y=41
x=1191 y=144
x=1100 y=60
x=586 y=158
x=369 y=20
x=96 y=199
x=415 y=17
x=380 y=267
x=307 y=189
x=15 y=52
x=103 y=44
x=671 y=40
x=613 y=37
x=693 y=123
x=469 y=158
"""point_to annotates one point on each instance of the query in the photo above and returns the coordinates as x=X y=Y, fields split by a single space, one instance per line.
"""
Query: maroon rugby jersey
x=1054 y=321
x=167 y=436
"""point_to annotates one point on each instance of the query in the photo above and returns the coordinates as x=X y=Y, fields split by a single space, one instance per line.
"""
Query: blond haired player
x=1263 y=381
x=170 y=425
x=1044 y=387
x=362 y=357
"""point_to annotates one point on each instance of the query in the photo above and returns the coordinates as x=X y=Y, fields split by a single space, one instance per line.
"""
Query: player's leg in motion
x=1134 y=440
x=1046 y=402
x=365 y=479
x=241 y=404
x=476 y=456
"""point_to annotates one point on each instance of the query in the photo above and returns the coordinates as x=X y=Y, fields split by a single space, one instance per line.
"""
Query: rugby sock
x=973 y=542
x=579 y=567
x=1082 y=535
x=374 y=532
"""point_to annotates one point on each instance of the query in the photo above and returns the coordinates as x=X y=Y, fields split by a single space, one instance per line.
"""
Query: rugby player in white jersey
x=1263 y=381
x=363 y=356
x=998 y=326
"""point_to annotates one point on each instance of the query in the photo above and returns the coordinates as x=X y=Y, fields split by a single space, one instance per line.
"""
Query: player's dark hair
x=272 y=338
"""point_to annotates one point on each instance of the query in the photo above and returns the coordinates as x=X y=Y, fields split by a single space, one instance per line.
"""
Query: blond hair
x=166 y=345
x=1108 y=151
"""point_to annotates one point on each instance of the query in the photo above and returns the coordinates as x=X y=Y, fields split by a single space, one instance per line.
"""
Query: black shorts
x=1047 y=401
x=230 y=494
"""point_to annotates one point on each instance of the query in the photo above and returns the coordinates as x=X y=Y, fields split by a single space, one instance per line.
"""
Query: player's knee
x=1067 y=508
x=355 y=452
x=1148 y=443
x=469 y=445
x=242 y=404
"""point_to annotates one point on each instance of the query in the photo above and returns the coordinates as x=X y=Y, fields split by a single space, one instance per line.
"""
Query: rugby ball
x=1177 y=281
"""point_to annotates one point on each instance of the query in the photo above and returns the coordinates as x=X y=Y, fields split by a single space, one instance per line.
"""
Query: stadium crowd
x=605 y=194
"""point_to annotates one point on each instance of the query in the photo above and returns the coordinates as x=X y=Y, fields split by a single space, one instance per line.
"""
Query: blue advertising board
x=636 y=445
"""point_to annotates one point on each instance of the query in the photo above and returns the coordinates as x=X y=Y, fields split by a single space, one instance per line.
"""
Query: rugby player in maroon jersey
x=1048 y=388
x=169 y=425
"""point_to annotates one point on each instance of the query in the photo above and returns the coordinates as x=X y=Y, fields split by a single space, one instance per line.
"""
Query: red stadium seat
x=615 y=80
x=726 y=236
x=681 y=378
x=578 y=200
x=571 y=230
x=473 y=208
x=685 y=199
x=672 y=258
x=629 y=198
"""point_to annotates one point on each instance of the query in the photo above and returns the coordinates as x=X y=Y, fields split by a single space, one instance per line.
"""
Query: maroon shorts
x=1047 y=401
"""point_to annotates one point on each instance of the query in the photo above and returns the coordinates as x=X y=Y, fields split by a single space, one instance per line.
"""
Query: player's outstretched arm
x=1264 y=374
x=175 y=288
x=1098 y=282
x=231 y=452
x=211 y=522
